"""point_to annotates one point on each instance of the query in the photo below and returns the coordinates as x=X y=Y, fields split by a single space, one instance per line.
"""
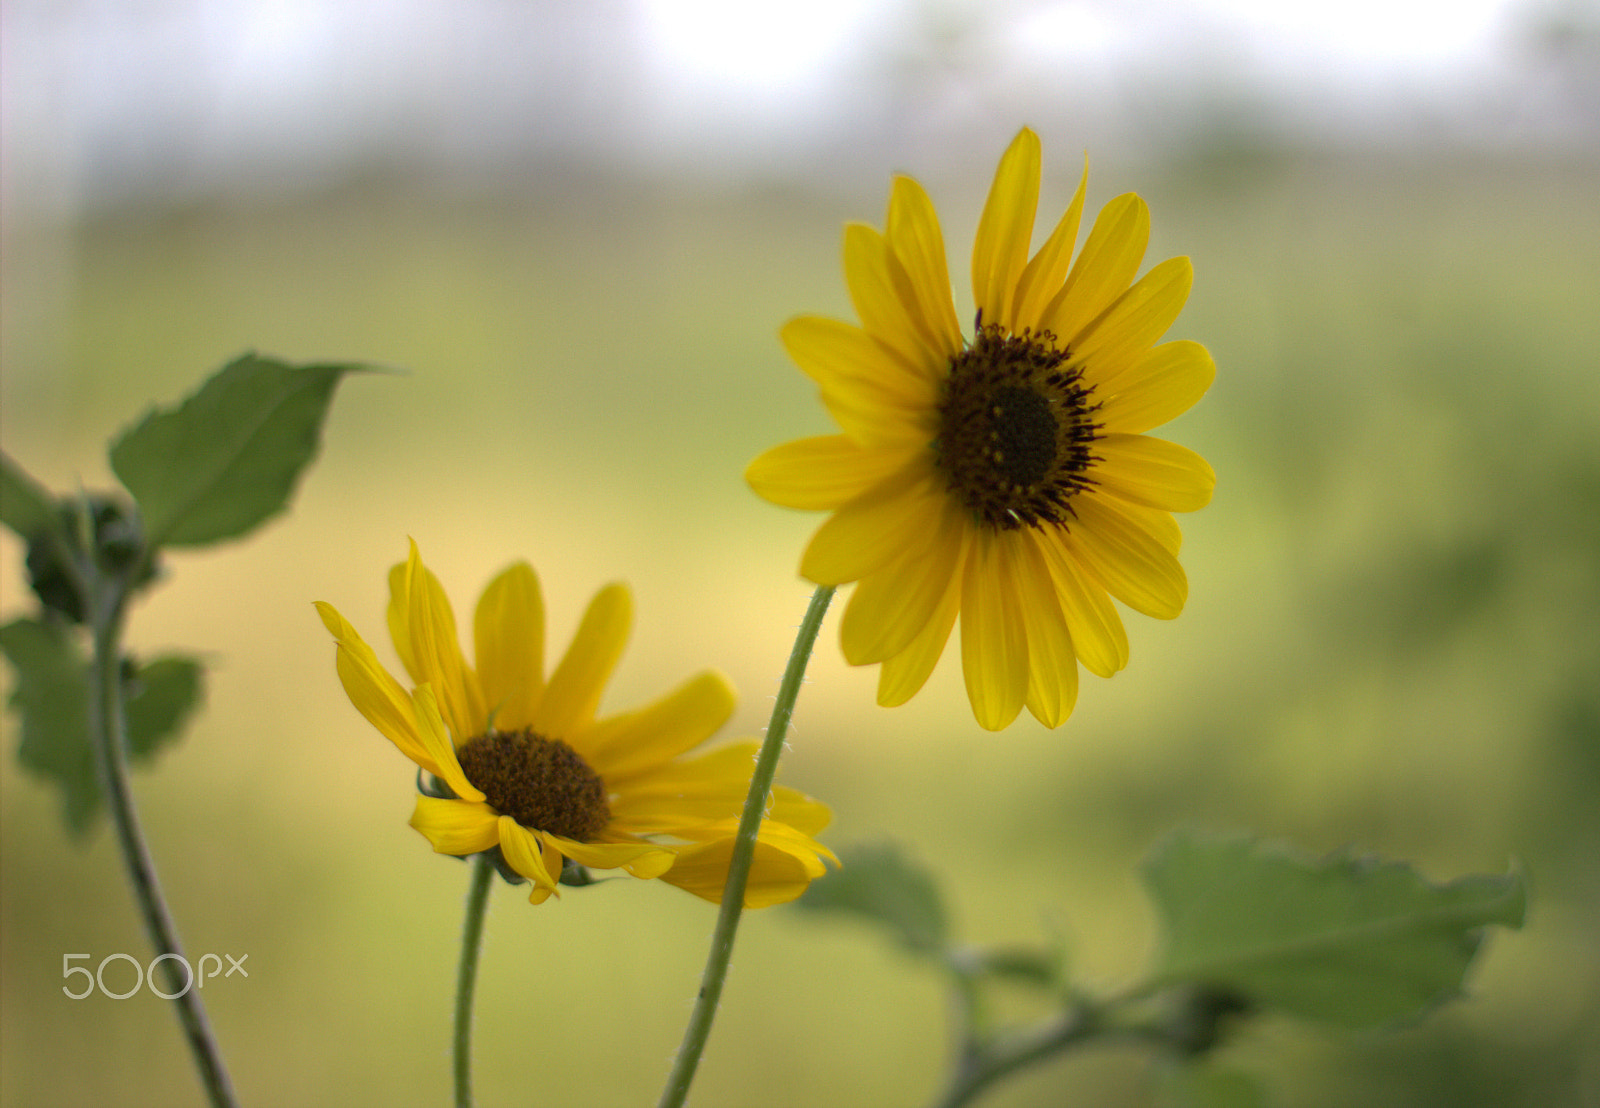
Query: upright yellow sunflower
x=530 y=771
x=1005 y=477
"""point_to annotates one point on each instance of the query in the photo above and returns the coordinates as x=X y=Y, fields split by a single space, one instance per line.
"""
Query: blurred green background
x=1392 y=641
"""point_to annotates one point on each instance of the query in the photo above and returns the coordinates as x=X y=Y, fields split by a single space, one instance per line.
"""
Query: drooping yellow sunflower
x=1004 y=477
x=532 y=773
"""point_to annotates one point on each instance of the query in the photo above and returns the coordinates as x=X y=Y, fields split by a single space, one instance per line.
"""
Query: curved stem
x=979 y=1068
x=744 y=847
x=108 y=604
x=467 y=975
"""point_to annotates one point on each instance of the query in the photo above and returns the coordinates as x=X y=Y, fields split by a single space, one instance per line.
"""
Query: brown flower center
x=541 y=783
x=1016 y=427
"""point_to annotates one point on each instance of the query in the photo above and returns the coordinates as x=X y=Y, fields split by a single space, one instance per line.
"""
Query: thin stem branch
x=107 y=600
x=981 y=1065
x=467 y=976
x=744 y=846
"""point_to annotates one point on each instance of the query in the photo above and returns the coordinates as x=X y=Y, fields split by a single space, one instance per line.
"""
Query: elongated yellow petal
x=435 y=738
x=868 y=391
x=903 y=675
x=573 y=694
x=436 y=650
x=915 y=241
x=1098 y=637
x=508 y=637
x=1162 y=385
x=1005 y=230
x=1104 y=268
x=1047 y=271
x=525 y=852
x=876 y=527
x=785 y=863
x=1128 y=329
x=376 y=695
x=1154 y=472
x=869 y=270
x=892 y=605
x=1127 y=559
x=637 y=742
x=994 y=650
x=1052 y=660
x=639 y=859
x=822 y=473
x=456 y=827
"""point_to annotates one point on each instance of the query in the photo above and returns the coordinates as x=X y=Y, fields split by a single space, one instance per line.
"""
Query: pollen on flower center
x=541 y=783
x=1016 y=427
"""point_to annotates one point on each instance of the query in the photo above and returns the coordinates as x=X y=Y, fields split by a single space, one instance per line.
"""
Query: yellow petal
x=640 y=859
x=903 y=675
x=783 y=865
x=916 y=243
x=376 y=695
x=508 y=637
x=1005 y=230
x=1052 y=661
x=685 y=792
x=525 y=852
x=1153 y=472
x=1163 y=384
x=573 y=694
x=891 y=606
x=1125 y=557
x=821 y=473
x=876 y=527
x=1130 y=327
x=1044 y=275
x=456 y=826
x=436 y=651
x=870 y=393
x=869 y=271
x=1104 y=268
x=994 y=651
x=435 y=738
x=1098 y=637
x=621 y=746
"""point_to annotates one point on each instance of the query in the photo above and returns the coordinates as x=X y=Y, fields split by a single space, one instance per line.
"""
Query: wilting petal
x=1154 y=472
x=435 y=738
x=639 y=859
x=435 y=651
x=508 y=635
x=1162 y=385
x=573 y=694
x=524 y=852
x=456 y=826
x=1005 y=230
x=376 y=695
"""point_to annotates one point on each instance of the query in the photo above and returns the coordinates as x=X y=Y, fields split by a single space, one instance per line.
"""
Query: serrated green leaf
x=228 y=457
x=1348 y=941
x=51 y=695
x=25 y=505
x=880 y=884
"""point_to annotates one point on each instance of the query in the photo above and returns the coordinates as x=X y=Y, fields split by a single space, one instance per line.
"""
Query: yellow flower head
x=1005 y=477
x=531 y=772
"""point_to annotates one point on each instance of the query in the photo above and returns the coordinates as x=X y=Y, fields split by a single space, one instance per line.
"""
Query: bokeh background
x=576 y=229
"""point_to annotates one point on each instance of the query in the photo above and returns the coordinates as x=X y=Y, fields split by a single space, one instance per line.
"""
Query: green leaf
x=1202 y=1085
x=1349 y=941
x=25 y=505
x=51 y=694
x=228 y=457
x=878 y=883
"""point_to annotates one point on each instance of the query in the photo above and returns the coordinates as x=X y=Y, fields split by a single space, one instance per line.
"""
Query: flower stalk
x=715 y=975
x=467 y=974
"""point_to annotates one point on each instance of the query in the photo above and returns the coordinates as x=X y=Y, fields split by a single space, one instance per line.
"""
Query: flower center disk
x=1015 y=430
x=541 y=783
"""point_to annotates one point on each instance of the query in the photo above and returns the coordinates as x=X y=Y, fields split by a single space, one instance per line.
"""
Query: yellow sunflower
x=531 y=773
x=1006 y=476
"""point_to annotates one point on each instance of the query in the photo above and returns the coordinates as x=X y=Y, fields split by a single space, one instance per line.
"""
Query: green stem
x=108 y=605
x=981 y=1066
x=744 y=848
x=467 y=977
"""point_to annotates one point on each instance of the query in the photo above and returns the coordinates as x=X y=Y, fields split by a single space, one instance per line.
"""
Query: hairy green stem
x=467 y=976
x=107 y=599
x=744 y=848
